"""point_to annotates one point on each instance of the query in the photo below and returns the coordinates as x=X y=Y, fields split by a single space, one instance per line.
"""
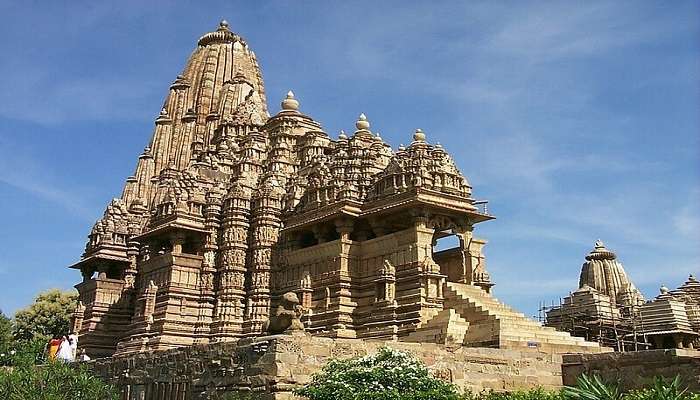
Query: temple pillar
x=230 y=296
x=344 y=227
x=379 y=226
x=305 y=291
x=177 y=240
x=678 y=340
x=319 y=234
x=265 y=225
x=205 y=312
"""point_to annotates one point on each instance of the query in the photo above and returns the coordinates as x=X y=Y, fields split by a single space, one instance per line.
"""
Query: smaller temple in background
x=672 y=319
x=607 y=308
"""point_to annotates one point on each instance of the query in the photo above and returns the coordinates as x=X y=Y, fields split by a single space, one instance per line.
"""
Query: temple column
x=338 y=300
x=177 y=240
x=212 y=212
x=228 y=315
x=267 y=206
x=678 y=340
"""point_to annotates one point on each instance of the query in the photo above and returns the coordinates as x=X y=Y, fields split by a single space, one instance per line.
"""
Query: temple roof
x=603 y=272
x=214 y=139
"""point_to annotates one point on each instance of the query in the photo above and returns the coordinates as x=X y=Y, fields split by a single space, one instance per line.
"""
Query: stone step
x=494 y=322
x=550 y=339
x=446 y=327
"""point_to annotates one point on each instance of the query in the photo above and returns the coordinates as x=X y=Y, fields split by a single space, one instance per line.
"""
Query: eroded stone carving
x=286 y=316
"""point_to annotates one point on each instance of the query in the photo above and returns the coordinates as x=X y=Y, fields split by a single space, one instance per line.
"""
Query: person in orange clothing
x=53 y=346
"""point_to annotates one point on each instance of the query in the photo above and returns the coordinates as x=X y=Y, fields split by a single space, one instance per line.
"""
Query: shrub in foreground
x=387 y=375
x=22 y=353
x=53 y=381
x=663 y=390
x=394 y=375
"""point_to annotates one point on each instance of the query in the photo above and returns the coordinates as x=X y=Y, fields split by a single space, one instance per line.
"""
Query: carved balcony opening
x=362 y=231
x=192 y=246
x=444 y=243
x=307 y=239
x=448 y=253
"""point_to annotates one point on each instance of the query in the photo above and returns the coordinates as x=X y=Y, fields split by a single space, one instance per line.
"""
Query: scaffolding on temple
x=599 y=320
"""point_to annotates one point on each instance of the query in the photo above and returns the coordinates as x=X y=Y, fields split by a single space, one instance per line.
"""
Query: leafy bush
x=386 y=375
x=592 y=388
x=662 y=390
x=22 y=352
x=394 y=375
x=53 y=381
x=533 y=394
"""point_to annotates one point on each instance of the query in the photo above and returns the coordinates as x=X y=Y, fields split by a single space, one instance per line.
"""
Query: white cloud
x=21 y=171
x=687 y=218
x=32 y=94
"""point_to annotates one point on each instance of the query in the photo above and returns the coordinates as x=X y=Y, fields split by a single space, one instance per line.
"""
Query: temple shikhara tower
x=609 y=309
x=233 y=205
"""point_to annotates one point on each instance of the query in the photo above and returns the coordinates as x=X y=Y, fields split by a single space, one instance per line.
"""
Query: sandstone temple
x=233 y=205
x=249 y=247
x=609 y=309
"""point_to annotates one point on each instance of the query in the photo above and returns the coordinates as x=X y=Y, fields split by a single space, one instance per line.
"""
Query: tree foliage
x=5 y=330
x=49 y=315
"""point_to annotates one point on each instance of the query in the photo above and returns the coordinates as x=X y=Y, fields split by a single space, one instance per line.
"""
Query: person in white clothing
x=65 y=352
x=73 y=339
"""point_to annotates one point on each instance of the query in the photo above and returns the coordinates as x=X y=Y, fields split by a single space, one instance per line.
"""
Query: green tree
x=386 y=375
x=49 y=315
x=5 y=330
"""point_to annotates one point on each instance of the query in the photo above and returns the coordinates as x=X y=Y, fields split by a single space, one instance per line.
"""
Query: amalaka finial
x=223 y=24
x=419 y=136
x=663 y=289
x=599 y=244
x=362 y=124
x=290 y=103
x=342 y=135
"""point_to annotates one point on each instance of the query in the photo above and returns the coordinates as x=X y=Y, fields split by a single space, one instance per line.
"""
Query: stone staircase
x=480 y=320
x=446 y=327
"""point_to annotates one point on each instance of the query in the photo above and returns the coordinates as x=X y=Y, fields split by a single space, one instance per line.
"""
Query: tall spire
x=603 y=272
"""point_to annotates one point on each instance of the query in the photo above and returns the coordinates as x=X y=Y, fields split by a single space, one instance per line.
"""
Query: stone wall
x=635 y=369
x=272 y=366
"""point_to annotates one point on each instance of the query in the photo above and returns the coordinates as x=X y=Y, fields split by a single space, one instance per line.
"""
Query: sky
x=577 y=121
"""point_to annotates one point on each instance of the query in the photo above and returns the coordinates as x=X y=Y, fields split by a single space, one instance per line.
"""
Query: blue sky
x=576 y=120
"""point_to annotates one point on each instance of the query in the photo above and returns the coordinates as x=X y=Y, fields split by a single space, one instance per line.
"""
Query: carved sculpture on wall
x=286 y=316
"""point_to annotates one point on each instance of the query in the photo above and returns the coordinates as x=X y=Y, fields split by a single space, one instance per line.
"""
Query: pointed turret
x=604 y=273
